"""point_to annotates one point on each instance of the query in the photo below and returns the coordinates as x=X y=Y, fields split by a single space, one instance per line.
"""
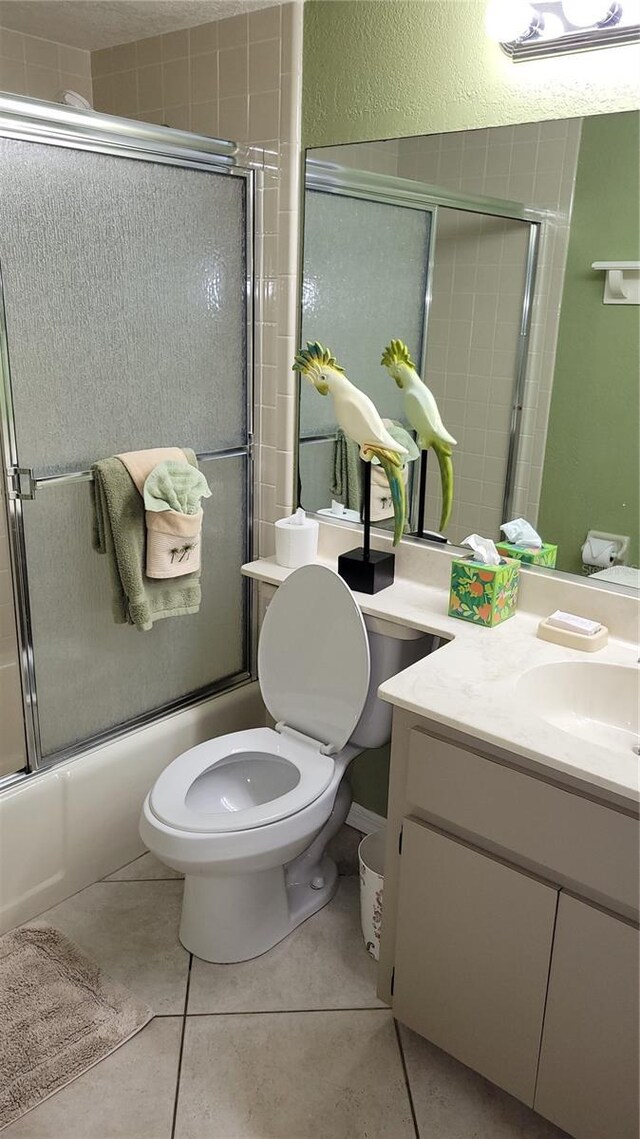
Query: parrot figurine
x=421 y=412
x=360 y=420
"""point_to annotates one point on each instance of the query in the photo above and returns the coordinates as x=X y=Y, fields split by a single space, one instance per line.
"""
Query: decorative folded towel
x=172 y=494
x=120 y=533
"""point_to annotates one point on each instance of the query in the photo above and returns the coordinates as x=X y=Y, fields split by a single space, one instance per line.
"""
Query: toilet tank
x=392 y=648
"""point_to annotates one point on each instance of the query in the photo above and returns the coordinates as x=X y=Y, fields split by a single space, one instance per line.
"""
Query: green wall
x=591 y=467
x=386 y=68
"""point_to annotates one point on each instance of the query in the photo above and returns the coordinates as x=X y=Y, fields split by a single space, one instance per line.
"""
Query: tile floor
x=293 y=1045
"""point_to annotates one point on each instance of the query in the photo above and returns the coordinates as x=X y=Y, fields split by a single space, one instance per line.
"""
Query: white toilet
x=247 y=816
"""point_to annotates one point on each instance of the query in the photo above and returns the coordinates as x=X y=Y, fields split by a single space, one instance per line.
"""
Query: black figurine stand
x=366 y=570
x=432 y=535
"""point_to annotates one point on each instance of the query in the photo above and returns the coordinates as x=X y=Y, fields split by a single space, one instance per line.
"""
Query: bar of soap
x=574 y=624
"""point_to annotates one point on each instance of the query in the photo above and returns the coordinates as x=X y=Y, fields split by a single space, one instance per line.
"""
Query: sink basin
x=595 y=702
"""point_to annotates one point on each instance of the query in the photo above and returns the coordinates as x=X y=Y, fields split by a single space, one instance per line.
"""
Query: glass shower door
x=126 y=286
x=365 y=282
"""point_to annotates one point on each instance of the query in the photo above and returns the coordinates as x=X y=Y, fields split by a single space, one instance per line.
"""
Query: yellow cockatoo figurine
x=421 y=412
x=360 y=420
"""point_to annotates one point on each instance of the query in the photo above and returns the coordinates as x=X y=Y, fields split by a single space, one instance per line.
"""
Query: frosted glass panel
x=125 y=294
x=365 y=278
x=93 y=674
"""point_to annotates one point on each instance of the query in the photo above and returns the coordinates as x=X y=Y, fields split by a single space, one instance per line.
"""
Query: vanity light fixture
x=554 y=27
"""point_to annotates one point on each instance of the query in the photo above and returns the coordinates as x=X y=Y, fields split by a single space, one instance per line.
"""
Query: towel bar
x=87 y=476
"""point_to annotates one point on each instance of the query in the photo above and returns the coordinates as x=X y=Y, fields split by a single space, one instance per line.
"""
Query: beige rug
x=59 y=1015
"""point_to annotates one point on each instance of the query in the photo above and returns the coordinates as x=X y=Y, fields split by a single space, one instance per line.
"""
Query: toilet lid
x=313 y=656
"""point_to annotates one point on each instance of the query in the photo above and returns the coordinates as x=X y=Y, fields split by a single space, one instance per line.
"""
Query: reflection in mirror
x=476 y=249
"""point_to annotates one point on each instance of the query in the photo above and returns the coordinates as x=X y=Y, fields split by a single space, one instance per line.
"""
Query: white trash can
x=371 y=859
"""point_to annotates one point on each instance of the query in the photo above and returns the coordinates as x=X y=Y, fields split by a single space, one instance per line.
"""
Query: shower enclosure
x=387 y=257
x=126 y=316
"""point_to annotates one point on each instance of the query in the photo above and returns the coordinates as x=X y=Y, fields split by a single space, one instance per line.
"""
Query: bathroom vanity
x=510 y=923
x=509 y=937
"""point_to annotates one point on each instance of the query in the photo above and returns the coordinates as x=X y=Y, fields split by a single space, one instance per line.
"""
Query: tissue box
x=486 y=595
x=544 y=556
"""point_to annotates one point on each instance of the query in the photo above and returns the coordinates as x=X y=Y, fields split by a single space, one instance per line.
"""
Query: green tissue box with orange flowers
x=486 y=595
x=544 y=556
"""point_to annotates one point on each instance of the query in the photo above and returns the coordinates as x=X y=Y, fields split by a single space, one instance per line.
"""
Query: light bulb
x=591 y=13
x=508 y=21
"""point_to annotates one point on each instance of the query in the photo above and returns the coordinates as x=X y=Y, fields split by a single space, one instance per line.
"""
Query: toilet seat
x=296 y=772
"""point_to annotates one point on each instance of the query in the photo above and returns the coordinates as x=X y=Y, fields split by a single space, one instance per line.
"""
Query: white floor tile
x=143 y=869
x=130 y=1095
x=323 y=1075
x=322 y=965
x=131 y=930
x=453 y=1102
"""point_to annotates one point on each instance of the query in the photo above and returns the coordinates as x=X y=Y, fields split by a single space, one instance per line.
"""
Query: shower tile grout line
x=181 y=1050
x=407 y=1082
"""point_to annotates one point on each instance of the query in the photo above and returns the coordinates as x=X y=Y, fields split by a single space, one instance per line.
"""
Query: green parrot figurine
x=421 y=412
x=360 y=420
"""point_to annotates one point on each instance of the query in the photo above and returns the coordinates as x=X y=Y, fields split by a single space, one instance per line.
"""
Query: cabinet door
x=472 y=956
x=588 y=1079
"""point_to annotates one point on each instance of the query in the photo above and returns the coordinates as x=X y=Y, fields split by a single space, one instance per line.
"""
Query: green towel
x=120 y=533
x=175 y=486
x=345 y=487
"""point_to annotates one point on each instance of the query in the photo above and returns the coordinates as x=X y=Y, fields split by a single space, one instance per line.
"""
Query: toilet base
x=235 y=917
x=240 y=916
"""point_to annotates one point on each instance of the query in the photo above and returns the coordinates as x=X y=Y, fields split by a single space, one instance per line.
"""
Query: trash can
x=371 y=859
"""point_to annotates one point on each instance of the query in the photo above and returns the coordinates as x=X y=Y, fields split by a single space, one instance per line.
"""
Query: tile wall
x=533 y=163
x=239 y=79
x=41 y=68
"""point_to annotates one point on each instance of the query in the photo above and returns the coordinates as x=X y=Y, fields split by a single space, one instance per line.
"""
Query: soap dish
x=587 y=644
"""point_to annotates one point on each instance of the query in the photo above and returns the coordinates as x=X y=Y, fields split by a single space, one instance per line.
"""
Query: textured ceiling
x=93 y=24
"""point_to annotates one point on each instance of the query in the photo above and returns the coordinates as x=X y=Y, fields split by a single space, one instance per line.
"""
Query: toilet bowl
x=246 y=817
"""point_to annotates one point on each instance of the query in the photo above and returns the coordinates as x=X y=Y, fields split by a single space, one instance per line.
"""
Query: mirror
x=476 y=249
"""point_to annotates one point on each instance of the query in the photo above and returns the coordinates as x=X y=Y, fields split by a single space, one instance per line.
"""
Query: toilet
x=247 y=817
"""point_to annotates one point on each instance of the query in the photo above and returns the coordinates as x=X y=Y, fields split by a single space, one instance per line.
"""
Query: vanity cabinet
x=472 y=960
x=588 y=1077
x=510 y=933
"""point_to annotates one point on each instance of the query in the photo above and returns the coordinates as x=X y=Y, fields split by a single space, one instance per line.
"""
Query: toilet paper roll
x=296 y=542
x=599 y=552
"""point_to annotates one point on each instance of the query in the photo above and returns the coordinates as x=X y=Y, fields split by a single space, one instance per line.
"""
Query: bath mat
x=59 y=1015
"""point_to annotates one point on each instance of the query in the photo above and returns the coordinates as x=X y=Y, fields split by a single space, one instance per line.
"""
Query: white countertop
x=470 y=684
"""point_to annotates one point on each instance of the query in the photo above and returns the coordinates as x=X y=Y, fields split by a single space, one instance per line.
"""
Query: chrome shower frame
x=30 y=120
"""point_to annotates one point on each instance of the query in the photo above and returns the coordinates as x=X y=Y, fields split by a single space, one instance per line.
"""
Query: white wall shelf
x=621 y=283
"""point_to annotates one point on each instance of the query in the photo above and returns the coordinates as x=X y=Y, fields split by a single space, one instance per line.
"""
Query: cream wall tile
x=13 y=76
x=203 y=39
x=11 y=44
x=41 y=68
x=204 y=118
x=44 y=53
x=233 y=32
x=124 y=57
x=147 y=51
x=233 y=71
x=204 y=78
x=265 y=24
x=264 y=67
x=74 y=61
x=175 y=82
x=149 y=87
x=42 y=82
x=175 y=45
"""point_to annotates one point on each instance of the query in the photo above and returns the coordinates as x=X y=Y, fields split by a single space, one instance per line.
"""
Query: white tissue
x=599 y=552
x=484 y=549
x=521 y=533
